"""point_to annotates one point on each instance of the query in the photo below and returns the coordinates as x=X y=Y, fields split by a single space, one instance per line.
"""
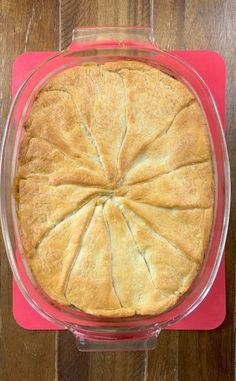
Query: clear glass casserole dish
x=99 y=45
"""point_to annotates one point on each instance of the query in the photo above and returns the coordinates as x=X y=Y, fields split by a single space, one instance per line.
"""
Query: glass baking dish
x=99 y=45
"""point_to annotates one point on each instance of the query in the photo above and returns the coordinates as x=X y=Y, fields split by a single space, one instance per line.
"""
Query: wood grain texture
x=118 y=367
x=211 y=25
x=163 y=363
x=101 y=13
x=179 y=356
x=24 y=25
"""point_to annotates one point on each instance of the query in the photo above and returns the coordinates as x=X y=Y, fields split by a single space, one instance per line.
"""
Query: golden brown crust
x=184 y=228
x=40 y=159
x=54 y=255
x=131 y=274
x=171 y=269
x=187 y=187
x=185 y=142
x=153 y=99
x=115 y=189
x=90 y=284
x=43 y=206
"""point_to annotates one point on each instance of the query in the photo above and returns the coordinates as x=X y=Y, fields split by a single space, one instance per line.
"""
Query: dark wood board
x=24 y=25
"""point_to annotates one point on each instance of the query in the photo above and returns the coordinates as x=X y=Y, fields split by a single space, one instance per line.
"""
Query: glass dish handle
x=130 y=37
x=91 y=340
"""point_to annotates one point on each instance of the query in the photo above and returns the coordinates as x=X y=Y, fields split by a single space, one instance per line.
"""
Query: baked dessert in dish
x=115 y=189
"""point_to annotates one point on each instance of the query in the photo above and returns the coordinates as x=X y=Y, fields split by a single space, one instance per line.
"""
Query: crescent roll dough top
x=116 y=189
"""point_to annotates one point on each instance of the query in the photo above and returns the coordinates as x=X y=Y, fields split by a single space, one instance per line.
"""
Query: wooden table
x=184 y=356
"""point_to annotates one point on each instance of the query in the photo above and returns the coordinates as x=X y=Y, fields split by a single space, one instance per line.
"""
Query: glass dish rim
x=223 y=236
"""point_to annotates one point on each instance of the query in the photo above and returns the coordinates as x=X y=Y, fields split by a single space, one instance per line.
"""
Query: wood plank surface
x=179 y=356
x=24 y=25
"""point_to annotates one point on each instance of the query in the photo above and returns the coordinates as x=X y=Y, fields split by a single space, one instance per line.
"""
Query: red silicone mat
x=211 y=312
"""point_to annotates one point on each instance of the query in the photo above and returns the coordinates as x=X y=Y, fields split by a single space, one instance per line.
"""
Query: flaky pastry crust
x=116 y=189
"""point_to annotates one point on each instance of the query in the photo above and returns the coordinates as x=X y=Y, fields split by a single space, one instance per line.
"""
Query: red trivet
x=211 y=312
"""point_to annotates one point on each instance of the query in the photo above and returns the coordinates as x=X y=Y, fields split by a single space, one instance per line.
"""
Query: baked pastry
x=116 y=189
